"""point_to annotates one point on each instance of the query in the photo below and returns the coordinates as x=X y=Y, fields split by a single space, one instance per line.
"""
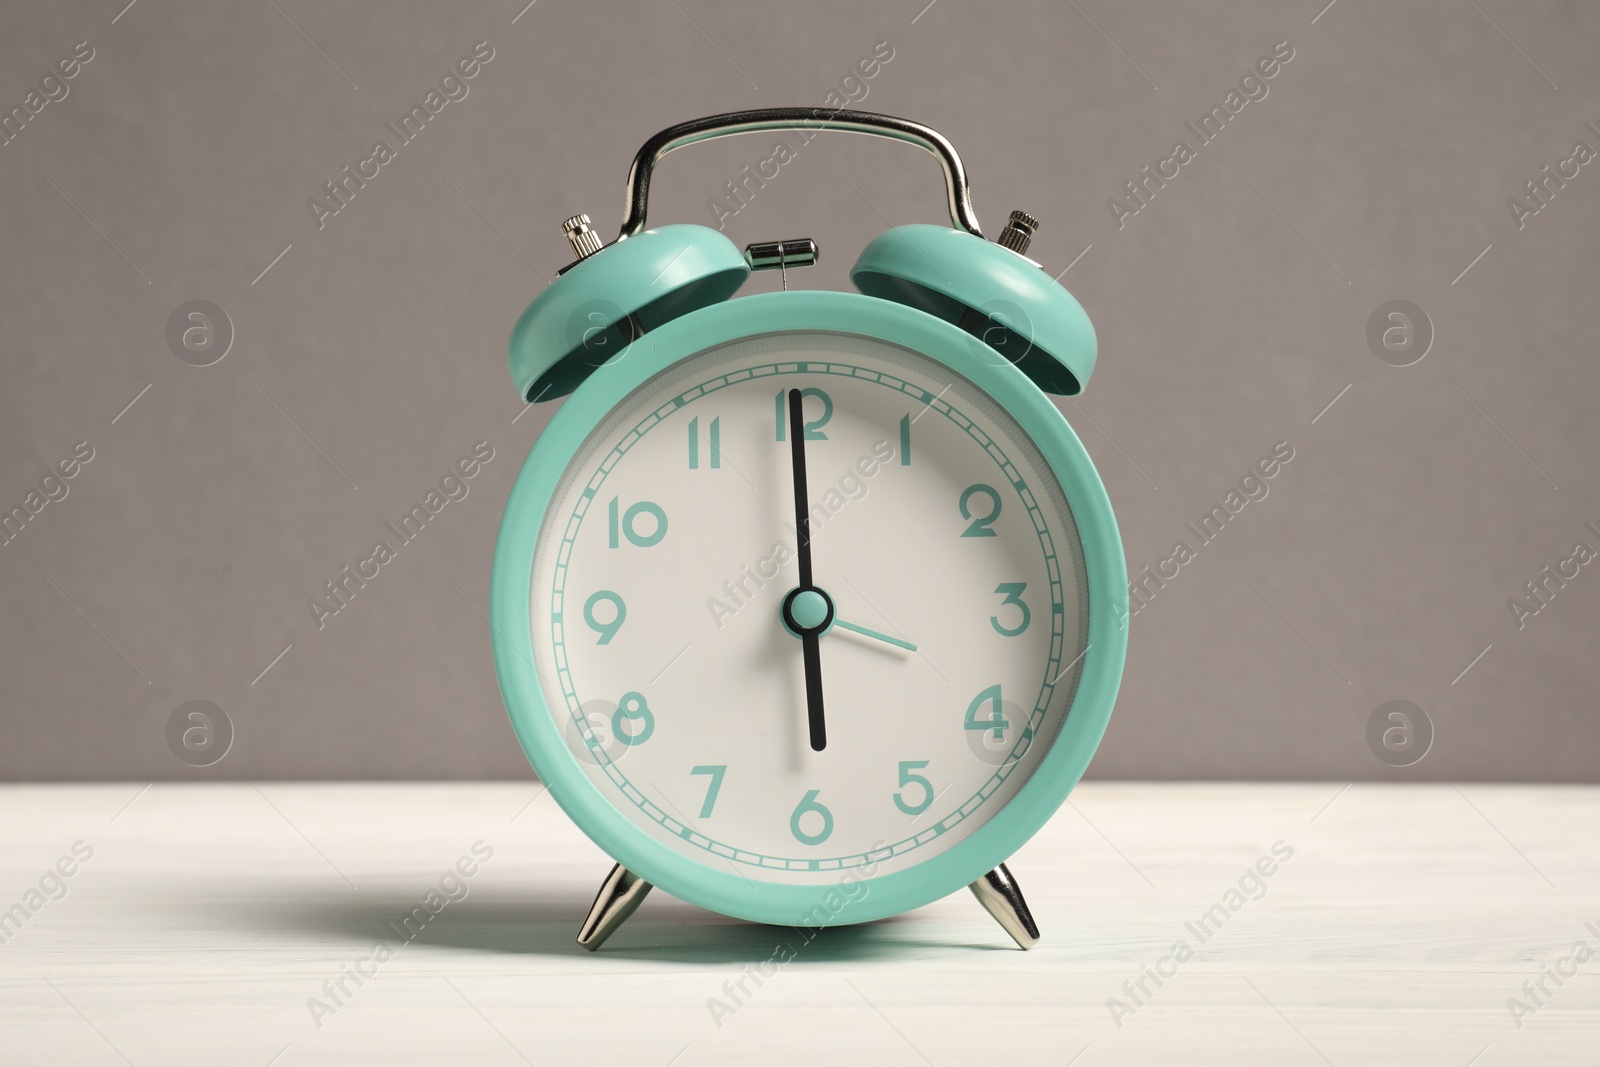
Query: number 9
x=606 y=630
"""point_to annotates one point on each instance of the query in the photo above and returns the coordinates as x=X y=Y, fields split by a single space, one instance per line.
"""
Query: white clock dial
x=941 y=539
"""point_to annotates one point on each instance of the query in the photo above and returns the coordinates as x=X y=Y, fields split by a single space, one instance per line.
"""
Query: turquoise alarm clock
x=809 y=607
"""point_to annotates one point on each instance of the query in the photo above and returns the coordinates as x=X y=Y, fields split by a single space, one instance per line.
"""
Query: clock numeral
x=780 y=411
x=629 y=523
x=715 y=439
x=633 y=708
x=996 y=722
x=619 y=611
x=1012 y=591
x=908 y=767
x=980 y=523
x=808 y=804
x=716 y=771
x=905 y=441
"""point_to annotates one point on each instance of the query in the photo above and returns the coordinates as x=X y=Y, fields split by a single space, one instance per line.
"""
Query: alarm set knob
x=1018 y=233
x=579 y=232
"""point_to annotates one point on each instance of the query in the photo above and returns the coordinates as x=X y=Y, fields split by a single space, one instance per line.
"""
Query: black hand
x=819 y=729
x=802 y=522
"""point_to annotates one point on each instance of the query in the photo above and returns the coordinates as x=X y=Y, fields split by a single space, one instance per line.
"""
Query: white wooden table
x=210 y=920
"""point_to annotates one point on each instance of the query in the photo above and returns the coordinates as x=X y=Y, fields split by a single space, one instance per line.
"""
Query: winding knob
x=580 y=233
x=1018 y=233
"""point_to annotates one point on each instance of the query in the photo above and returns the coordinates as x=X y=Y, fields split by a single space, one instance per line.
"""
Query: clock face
x=947 y=568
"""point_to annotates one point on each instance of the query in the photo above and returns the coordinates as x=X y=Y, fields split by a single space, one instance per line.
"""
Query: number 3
x=1012 y=591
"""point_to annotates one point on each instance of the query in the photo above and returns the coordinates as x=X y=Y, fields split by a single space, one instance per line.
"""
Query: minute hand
x=802 y=522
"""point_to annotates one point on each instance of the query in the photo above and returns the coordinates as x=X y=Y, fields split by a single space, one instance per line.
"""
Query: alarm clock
x=809 y=607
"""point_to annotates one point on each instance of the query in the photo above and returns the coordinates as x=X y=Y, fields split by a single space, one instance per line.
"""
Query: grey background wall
x=368 y=353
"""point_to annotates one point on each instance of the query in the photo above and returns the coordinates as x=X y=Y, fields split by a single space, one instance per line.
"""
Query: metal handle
x=795 y=118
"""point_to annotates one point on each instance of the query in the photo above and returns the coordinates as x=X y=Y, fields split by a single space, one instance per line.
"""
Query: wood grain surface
x=267 y=924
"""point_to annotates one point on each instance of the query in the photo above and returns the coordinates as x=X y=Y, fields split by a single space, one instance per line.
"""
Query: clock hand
x=802 y=521
x=802 y=508
x=810 y=611
x=862 y=630
x=814 y=716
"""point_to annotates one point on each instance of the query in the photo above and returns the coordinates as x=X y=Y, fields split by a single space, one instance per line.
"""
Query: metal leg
x=620 y=896
x=1001 y=897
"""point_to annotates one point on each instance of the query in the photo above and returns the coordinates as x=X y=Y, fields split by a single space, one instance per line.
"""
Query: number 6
x=809 y=803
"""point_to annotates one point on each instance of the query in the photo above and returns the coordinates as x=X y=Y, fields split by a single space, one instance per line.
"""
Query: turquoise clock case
x=904 y=314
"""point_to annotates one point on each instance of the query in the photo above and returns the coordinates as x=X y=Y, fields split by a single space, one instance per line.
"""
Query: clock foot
x=1001 y=897
x=620 y=896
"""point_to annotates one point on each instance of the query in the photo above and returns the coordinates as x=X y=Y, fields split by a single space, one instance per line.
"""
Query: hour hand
x=875 y=635
x=815 y=720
